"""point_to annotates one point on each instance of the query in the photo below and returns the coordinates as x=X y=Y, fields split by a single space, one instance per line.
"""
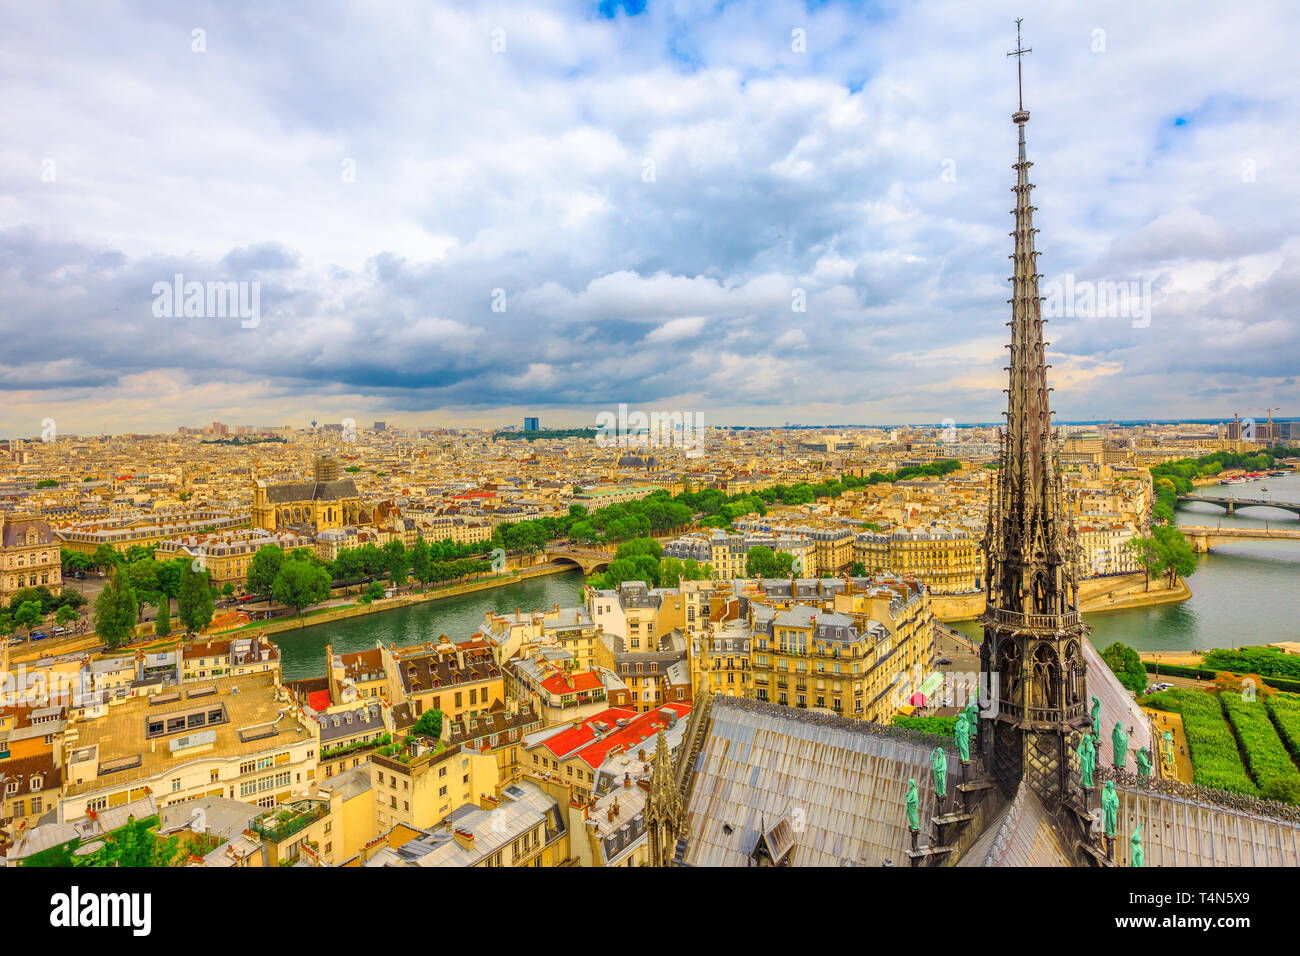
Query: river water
x=1247 y=592
x=1243 y=593
x=303 y=652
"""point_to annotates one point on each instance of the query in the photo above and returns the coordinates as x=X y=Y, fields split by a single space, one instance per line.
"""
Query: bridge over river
x=1203 y=539
x=1233 y=505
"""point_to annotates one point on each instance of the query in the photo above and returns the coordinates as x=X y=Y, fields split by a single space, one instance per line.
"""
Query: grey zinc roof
x=1024 y=834
x=843 y=785
x=1117 y=705
x=1178 y=831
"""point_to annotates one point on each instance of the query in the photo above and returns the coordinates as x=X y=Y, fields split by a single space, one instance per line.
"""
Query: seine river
x=1242 y=593
x=1246 y=593
x=303 y=652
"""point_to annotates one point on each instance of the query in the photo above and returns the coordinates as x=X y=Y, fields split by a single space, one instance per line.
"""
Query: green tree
x=421 y=563
x=858 y=570
x=163 y=625
x=397 y=562
x=105 y=557
x=670 y=572
x=115 y=610
x=1147 y=556
x=194 y=606
x=299 y=584
x=1127 y=666
x=429 y=724
x=263 y=568
x=65 y=615
x=1176 y=554
x=28 y=614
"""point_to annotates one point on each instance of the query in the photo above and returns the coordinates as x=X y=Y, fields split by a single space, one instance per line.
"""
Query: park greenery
x=1166 y=552
x=941 y=726
x=1241 y=735
x=641 y=559
x=1216 y=762
x=1173 y=478
x=1127 y=666
x=1268 y=661
x=1266 y=756
x=660 y=513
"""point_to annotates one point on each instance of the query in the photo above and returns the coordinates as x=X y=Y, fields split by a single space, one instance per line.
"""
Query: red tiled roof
x=318 y=700
x=584 y=740
x=628 y=738
x=572 y=683
x=579 y=735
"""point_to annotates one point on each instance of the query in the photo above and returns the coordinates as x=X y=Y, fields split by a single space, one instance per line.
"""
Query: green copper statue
x=961 y=733
x=1169 y=749
x=1144 y=763
x=913 y=806
x=1096 y=724
x=1087 y=760
x=1135 y=857
x=939 y=763
x=1119 y=740
x=973 y=717
x=1110 y=807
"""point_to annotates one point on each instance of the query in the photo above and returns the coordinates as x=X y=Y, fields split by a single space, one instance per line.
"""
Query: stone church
x=759 y=784
x=327 y=501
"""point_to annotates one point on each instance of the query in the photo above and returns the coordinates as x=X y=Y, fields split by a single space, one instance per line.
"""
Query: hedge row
x=1265 y=755
x=1285 y=712
x=1204 y=673
x=1216 y=761
x=943 y=726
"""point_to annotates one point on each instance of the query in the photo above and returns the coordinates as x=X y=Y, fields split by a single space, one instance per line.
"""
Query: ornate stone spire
x=663 y=809
x=1031 y=649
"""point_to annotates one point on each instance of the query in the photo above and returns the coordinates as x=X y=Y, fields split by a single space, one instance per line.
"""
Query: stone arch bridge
x=1203 y=539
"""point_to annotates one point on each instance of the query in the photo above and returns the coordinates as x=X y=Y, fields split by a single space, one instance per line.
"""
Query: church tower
x=663 y=810
x=1032 y=658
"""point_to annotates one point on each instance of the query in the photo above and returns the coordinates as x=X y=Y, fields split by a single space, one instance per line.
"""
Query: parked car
x=944 y=661
x=58 y=631
x=38 y=635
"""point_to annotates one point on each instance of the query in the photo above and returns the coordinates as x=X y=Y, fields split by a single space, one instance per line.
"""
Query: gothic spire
x=1026 y=533
x=663 y=811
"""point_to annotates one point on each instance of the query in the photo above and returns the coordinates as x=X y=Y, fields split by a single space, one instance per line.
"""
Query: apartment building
x=421 y=783
x=29 y=556
x=846 y=658
x=945 y=560
x=461 y=680
x=238 y=737
x=638 y=614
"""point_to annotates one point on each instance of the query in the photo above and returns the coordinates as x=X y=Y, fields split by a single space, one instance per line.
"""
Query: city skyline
x=647 y=194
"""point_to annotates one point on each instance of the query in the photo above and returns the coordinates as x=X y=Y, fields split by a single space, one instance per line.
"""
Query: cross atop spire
x=1019 y=53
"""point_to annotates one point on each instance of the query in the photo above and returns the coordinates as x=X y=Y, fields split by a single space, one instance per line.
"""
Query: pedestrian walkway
x=1162 y=720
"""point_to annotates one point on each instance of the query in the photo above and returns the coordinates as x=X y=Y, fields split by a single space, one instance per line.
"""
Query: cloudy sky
x=464 y=212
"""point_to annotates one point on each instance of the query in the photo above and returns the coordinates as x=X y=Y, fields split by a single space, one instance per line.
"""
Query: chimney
x=465 y=838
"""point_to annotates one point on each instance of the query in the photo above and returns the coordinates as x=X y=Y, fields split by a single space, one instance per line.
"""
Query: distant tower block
x=325 y=468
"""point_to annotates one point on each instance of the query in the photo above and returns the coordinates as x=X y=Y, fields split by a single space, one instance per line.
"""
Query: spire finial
x=1019 y=53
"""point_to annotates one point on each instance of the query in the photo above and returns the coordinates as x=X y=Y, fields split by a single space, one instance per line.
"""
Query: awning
x=931 y=684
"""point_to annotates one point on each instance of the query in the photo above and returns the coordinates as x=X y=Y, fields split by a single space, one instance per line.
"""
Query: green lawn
x=1216 y=762
x=1265 y=754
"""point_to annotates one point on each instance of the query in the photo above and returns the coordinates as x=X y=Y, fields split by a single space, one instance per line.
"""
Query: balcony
x=279 y=827
x=1020 y=619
